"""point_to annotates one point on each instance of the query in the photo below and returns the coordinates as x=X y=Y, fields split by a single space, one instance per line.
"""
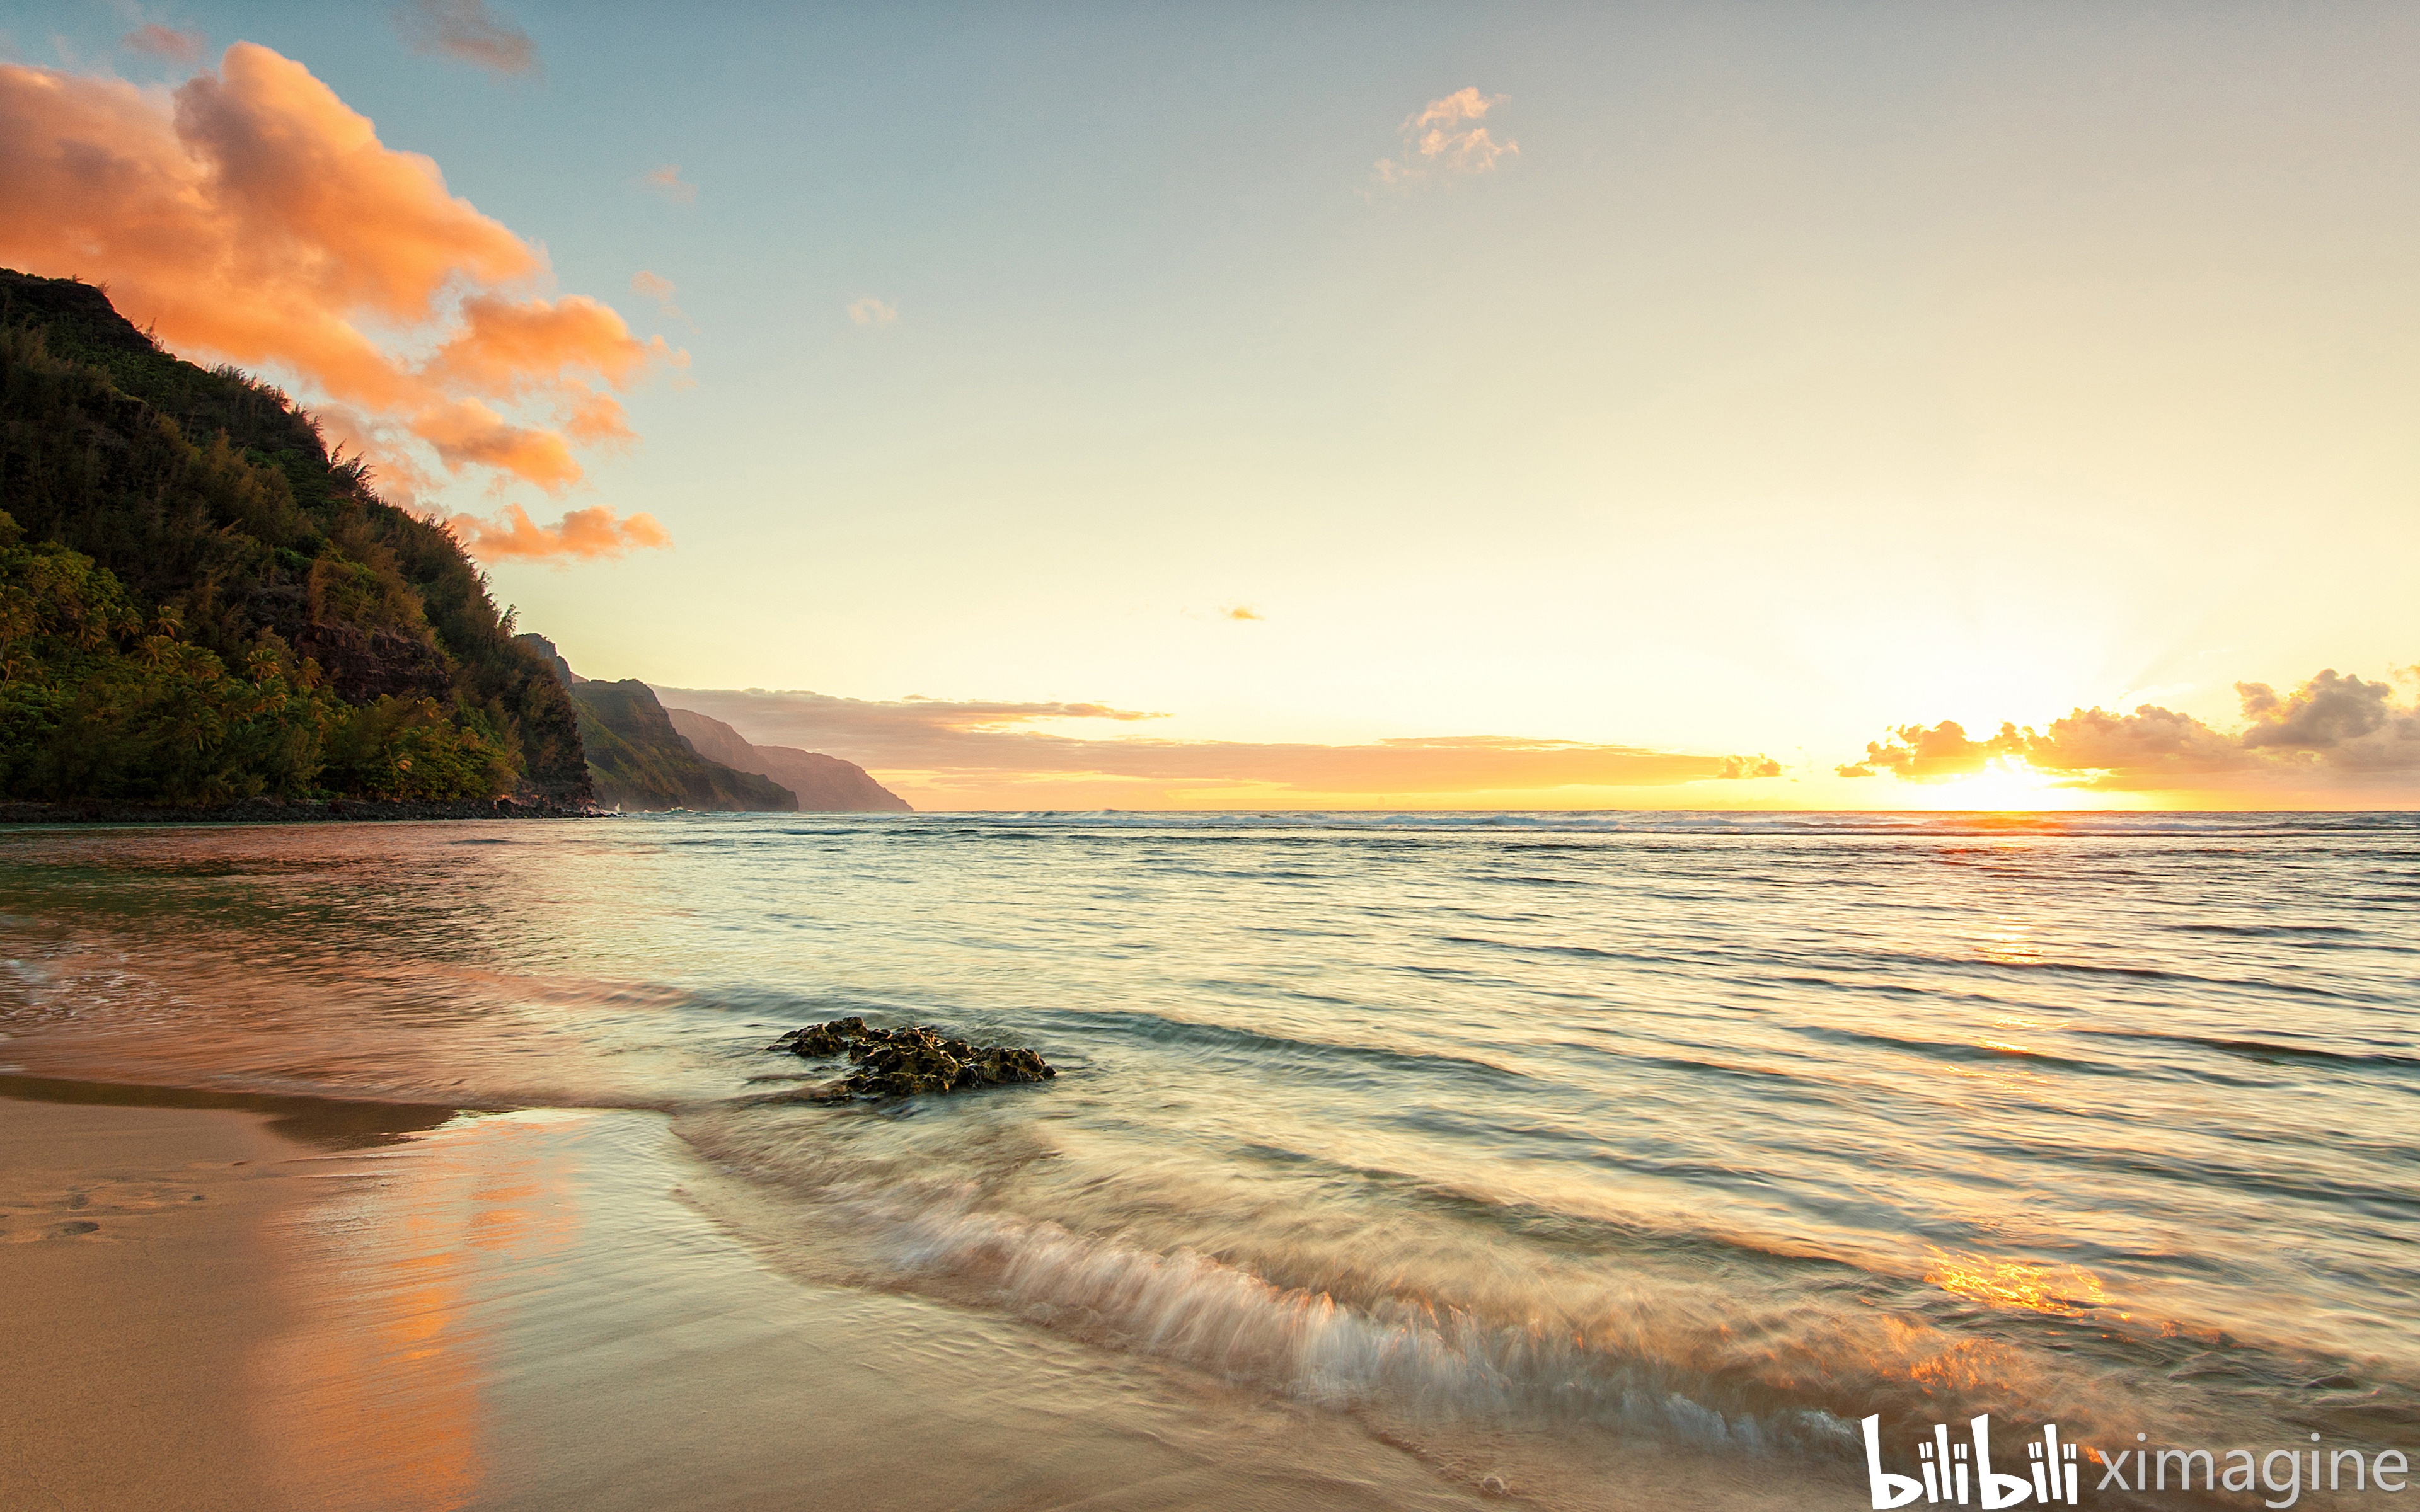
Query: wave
x=2265 y=1049
x=1265 y=1051
x=1407 y=1355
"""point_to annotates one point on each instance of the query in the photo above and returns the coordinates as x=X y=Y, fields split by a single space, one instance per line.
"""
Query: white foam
x=1406 y=1356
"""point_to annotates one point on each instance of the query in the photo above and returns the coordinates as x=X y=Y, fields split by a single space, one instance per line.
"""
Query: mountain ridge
x=637 y=760
x=823 y=784
x=199 y=604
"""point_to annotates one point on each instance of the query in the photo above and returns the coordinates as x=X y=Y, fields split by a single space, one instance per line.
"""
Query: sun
x=2005 y=782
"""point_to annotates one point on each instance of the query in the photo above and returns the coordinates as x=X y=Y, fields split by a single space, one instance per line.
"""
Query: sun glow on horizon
x=2008 y=784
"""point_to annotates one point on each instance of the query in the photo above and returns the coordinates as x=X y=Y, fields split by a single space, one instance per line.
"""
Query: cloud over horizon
x=954 y=753
x=251 y=215
x=2333 y=731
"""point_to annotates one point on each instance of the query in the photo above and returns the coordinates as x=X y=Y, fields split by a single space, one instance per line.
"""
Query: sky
x=1456 y=406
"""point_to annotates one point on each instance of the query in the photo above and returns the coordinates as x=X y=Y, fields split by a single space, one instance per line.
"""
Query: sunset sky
x=1426 y=406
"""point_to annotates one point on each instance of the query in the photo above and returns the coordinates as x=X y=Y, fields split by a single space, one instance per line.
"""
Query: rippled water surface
x=1712 y=1129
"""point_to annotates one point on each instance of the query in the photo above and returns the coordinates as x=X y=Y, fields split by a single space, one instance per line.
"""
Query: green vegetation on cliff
x=198 y=604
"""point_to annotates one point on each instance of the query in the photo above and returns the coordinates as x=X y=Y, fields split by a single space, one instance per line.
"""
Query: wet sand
x=130 y=1242
x=288 y=1304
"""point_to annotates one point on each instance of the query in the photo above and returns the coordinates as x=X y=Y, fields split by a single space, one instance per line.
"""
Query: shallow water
x=1562 y=1133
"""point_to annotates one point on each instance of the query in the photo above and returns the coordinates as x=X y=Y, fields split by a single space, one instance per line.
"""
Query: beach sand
x=261 y=1304
x=129 y=1243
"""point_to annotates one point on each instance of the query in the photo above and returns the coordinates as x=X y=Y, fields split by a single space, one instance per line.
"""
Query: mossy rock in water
x=818 y=1040
x=903 y=1062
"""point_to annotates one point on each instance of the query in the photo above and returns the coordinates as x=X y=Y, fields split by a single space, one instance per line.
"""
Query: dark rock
x=818 y=1040
x=997 y=1066
x=903 y=1062
x=912 y=1061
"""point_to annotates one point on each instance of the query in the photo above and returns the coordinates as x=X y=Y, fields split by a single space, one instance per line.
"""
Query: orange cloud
x=2333 y=732
x=183 y=48
x=983 y=754
x=667 y=180
x=467 y=433
x=1440 y=139
x=1239 y=611
x=652 y=285
x=254 y=216
x=868 y=311
x=597 y=420
x=505 y=345
x=468 y=32
x=586 y=533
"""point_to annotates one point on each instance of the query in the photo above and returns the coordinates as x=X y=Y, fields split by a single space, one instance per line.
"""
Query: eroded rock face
x=903 y=1063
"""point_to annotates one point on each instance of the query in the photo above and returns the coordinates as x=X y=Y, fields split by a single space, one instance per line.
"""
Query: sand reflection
x=375 y=1396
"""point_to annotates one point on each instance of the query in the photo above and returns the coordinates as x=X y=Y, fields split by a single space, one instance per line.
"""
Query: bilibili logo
x=1949 y=1476
x=1948 y=1472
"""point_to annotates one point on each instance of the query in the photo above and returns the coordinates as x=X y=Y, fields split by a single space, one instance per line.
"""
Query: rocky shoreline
x=275 y=811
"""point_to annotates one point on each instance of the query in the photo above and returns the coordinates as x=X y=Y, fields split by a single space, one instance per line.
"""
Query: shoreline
x=276 y=812
x=279 y=1304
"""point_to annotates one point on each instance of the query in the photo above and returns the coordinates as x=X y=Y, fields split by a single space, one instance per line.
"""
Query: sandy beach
x=133 y=1244
x=283 y=1304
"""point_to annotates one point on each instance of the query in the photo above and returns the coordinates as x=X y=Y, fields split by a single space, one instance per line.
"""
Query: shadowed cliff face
x=825 y=784
x=637 y=760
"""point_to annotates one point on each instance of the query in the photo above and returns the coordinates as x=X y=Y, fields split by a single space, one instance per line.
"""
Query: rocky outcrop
x=543 y=648
x=825 y=784
x=367 y=665
x=903 y=1062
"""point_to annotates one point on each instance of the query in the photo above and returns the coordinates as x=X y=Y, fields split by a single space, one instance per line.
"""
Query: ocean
x=1535 y=1144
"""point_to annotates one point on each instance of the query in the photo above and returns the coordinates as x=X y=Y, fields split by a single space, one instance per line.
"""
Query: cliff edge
x=637 y=760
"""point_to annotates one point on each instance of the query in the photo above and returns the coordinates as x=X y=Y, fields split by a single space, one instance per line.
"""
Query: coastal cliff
x=824 y=785
x=199 y=605
x=637 y=760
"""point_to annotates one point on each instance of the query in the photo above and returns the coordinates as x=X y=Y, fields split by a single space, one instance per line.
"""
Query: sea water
x=1581 y=1133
